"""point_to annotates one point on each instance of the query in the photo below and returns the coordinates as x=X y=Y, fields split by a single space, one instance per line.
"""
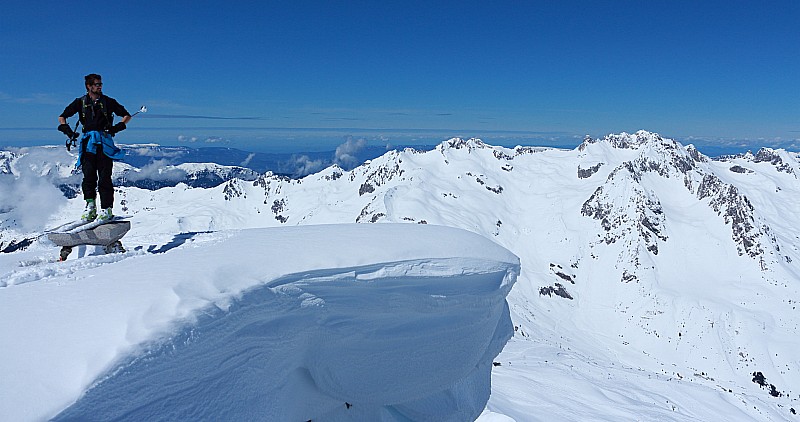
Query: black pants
x=97 y=174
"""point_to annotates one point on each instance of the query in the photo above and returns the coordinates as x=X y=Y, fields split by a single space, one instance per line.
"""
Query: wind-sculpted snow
x=340 y=322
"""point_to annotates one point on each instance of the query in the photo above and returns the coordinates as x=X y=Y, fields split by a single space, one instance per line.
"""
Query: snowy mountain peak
x=459 y=143
x=331 y=173
x=782 y=160
x=696 y=155
x=624 y=140
x=629 y=197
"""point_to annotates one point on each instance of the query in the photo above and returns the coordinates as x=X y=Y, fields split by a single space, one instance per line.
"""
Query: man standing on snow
x=97 y=150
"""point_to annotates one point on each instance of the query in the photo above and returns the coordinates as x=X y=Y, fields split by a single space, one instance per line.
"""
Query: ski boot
x=90 y=212
x=105 y=215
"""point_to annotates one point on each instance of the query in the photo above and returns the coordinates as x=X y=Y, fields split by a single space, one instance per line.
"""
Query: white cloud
x=28 y=198
x=184 y=138
x=157 y=170
x=247 y=160
x=303 y=165
x=208 y=140
x=34 y=98
x=152 y=152
x=346 y=152
x=216 y=140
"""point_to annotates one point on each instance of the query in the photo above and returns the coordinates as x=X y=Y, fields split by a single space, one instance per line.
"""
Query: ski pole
x=143 y=109
x=71 y=142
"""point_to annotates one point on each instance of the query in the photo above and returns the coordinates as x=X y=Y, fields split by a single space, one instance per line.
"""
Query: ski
x=92 y=224
x=67 y=226
x=80 y=225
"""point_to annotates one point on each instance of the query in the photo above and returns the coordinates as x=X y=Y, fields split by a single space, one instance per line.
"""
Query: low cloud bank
x=29 y=197
x=303 y=165
x=348 y=155
x=346 y=152
x=158 y=170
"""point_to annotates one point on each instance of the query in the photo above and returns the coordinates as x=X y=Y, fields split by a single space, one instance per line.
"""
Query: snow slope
x=265 y=324
x=655 y=283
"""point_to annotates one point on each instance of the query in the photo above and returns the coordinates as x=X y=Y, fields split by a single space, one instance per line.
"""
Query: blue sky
x=270 y=74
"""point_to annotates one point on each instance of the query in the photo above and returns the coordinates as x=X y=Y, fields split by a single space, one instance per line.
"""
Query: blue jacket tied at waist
x=94 y=138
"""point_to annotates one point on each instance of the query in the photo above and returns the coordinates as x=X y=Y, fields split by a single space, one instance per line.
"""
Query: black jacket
x=95 y=115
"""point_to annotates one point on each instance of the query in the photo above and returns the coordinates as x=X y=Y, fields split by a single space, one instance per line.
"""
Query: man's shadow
x=176 y=241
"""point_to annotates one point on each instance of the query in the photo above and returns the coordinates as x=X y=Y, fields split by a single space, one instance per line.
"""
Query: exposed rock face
x=587 y=173
x=640 y=211
x=771 y=156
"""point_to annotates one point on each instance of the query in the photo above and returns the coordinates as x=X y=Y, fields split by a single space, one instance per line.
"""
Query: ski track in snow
x=41 y=263
x=43 y=268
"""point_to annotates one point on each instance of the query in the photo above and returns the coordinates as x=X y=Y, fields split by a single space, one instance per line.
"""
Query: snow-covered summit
x=783 y=160
x=626 y=140
x=646 y=267
x=459 y=143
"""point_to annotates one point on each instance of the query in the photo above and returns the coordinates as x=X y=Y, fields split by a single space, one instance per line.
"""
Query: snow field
x=285 y=322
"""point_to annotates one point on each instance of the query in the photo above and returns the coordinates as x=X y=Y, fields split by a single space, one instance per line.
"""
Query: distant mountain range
x=151 y=166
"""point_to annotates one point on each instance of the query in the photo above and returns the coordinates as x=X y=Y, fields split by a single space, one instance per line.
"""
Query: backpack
x=88 y=111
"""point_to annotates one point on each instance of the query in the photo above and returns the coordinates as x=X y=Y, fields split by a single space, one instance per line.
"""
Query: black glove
x=119 y=127
x=66 y=130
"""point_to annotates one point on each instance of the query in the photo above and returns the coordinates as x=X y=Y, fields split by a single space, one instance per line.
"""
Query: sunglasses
x=98 y=84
